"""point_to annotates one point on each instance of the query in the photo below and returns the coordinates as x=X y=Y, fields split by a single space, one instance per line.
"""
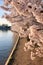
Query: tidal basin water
x=7 y=41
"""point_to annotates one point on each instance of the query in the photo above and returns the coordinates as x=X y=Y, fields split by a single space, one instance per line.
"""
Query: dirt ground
x=20 y=57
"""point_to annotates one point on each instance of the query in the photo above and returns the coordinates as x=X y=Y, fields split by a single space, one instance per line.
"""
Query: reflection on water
x=7 y=39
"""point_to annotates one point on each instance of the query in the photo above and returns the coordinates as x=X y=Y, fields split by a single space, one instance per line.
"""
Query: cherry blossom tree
x=26 y=17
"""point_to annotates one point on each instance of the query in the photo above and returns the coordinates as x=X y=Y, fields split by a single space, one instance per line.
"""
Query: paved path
x=23 y=58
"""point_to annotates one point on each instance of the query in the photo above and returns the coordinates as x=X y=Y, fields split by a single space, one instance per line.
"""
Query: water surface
x=7 y=41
